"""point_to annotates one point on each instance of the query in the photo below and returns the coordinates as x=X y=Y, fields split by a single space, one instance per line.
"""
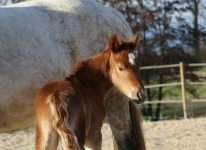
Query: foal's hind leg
x=94 y=142
x=46 y=137
x=68 y=142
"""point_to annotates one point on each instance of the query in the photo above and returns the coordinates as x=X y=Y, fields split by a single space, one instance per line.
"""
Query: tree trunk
x=195 y=24
x=157 y=114
x=149 y=109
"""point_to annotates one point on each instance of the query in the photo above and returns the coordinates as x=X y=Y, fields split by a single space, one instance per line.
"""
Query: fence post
x=182 y=78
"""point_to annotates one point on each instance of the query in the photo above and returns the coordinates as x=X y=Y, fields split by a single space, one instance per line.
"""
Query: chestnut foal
x=74 y=108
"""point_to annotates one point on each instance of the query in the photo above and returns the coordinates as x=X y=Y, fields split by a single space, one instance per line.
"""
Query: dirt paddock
x=187 y=134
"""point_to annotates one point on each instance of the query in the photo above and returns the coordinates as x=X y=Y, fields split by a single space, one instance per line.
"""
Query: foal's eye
x=121 y=69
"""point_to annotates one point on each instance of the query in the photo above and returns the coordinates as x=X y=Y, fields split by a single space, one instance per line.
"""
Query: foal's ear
x=133 y=42
x=113 y=43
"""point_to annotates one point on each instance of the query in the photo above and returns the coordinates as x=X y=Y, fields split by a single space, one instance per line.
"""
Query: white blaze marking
x=131 y=58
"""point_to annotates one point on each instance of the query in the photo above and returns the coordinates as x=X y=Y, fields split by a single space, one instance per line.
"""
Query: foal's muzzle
x=142 y=96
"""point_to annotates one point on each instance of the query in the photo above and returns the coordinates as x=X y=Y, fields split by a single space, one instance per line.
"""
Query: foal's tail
x=137 y=134
x=59 y=113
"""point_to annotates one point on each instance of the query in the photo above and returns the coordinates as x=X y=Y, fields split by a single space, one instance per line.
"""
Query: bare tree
x=6 y=2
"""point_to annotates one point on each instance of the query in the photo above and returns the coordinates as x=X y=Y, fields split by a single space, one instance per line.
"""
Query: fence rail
x=182 y=82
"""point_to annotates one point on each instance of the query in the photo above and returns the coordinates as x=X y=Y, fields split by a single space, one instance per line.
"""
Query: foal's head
x=124 y=67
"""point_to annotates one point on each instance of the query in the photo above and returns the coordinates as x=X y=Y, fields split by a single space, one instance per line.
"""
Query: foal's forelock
x=131 y=58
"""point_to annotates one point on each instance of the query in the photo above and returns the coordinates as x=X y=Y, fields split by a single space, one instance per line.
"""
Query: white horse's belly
x=18 y=90
x=22 y=74
x=41 y=44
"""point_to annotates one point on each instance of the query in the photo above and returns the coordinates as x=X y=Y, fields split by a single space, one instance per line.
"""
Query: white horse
x=33 y=35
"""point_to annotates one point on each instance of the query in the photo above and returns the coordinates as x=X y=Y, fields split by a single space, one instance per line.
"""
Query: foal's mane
x=99 y=64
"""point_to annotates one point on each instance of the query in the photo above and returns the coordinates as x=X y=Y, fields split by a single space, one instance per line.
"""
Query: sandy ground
x=187 y=134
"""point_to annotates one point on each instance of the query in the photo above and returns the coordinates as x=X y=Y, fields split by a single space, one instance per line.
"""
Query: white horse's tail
x=58 y=106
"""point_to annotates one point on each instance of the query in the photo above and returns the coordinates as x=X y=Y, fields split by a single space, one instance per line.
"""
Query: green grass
x=174 y=93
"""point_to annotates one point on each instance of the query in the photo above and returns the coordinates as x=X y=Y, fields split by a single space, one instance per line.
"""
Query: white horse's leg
x=118 y=111
x=117 y=108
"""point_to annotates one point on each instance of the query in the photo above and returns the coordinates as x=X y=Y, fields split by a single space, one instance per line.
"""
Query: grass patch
x=195 y=91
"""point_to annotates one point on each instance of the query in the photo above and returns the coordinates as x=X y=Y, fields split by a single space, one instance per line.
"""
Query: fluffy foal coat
x=74 y=108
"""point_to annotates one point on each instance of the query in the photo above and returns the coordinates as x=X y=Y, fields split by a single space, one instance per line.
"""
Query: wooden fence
x=182 y=83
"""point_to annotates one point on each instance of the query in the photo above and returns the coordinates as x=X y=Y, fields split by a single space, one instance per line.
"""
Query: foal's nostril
x=139 y=95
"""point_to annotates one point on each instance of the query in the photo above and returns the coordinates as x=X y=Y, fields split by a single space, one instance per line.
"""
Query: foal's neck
x=94 y=73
